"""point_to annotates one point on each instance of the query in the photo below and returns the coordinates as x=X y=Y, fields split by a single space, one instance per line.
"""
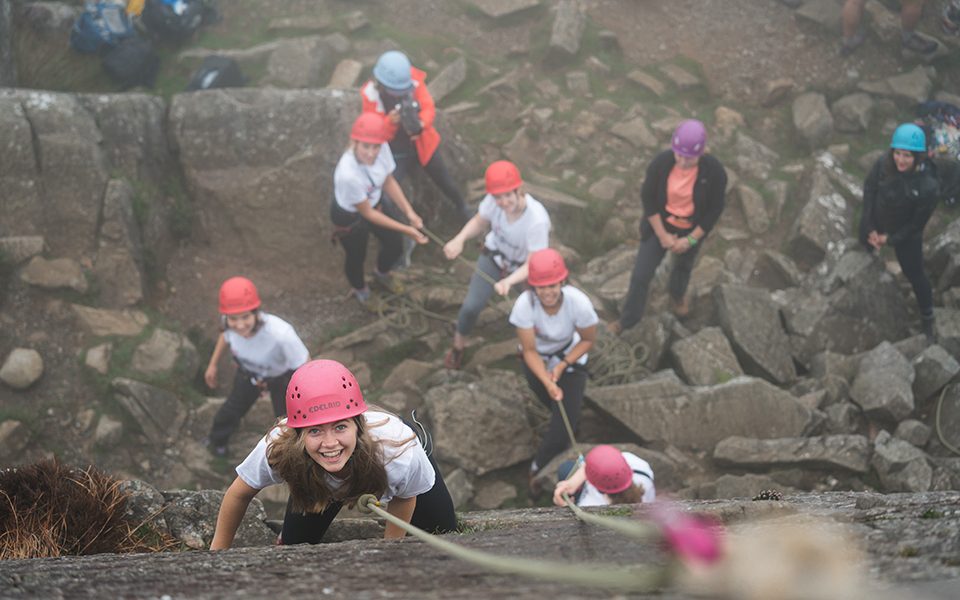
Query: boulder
x=774 y=271
x=740 y=486
x=882 y=387
x=947 y=329
x=907 y=89
x=636 y=132
x=850 y=452
x=458 y=412
x=163 y=352
x=18 y=248
x=843 y=417
x=900 y=466
x=54 y=274
x=812 y=119
x=103 y=323
x=934 y=368
x=347 y=73
x=14 y=438
x=751 y=321
x=680 y=77
x=297 y=62
x=705 y=358
x=449 y=79
x=568 y=26
x=108 y=434
x=854 y=112
x=191 y=518
x=460 y=488
x=823 y=221
x=119 y=256
x=752 y=158
x=647 y=82
x=157 y=412
x=19 y=170
x=502 y=8
x=98 y=358
x=494 y=494
x=661 y=409
x=22 y=368
x=407 y=374
x=754 y=210
x=913 y=431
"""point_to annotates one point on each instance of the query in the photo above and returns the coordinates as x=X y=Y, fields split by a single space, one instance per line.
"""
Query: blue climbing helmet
x=392 y=71
x=909 y=137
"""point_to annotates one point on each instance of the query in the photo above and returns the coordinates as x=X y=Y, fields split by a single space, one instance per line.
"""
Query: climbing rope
x=617 y=361
x=628 y=579
x=940 y=435
x=641 y=531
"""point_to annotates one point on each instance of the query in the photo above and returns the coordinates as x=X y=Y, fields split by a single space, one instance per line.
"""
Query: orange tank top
x=680 y=197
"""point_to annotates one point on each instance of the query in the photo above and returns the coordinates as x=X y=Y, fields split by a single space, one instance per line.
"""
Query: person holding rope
x=899 y=196
x=556 y=325
x=518 y=225
x=683 y=197
x=607 y=476
x=331 y=450
x=398 y=92
x=363 y=174
x=266 y=349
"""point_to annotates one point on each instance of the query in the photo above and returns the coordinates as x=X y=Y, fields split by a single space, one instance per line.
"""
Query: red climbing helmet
x=690 y=138
x=369 y=128
x=238 y=295
x=322 y=391
x=607 y=470
x=546 y=268
x=502 y=176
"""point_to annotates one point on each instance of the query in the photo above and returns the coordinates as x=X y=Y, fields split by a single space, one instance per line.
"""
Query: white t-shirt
x=273 y=350
x=642 y=475
x=555 y=334
x=409 y=472
x=353 y=182
x=529 y=233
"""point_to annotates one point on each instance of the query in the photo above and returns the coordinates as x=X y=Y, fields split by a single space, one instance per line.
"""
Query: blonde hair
x=310 y=490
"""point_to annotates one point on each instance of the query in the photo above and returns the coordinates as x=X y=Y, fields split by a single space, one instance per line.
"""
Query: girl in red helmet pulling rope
x=608 y=476
x=266 y=349
x=363 y=175
x=518 y=225
x=556 y=324
x=331 y=450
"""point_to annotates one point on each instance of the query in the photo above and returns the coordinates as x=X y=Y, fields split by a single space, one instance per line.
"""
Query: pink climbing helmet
x=690 y=138
x=322 y=391
x=607 y=470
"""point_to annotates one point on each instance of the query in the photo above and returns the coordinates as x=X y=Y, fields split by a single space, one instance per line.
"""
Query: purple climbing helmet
x=690 y=138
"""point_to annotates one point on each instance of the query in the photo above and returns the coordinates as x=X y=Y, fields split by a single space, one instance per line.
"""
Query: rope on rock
x=940 y=436
x=641 y=531
x=628 y=579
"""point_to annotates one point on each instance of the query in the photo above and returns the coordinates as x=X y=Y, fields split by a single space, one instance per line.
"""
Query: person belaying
x=518 y=225
x=362 y=177
x=683 y=195
x=556 y=326
x=266 y=349
x=330 y=450
x=899 y=196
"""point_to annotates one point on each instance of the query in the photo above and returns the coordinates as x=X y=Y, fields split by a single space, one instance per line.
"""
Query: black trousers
x=556 y=440
x=434 y=513
x=910 y=256
x=354 y=235
x=649 y=256
x=241 y=398
x=406 y=158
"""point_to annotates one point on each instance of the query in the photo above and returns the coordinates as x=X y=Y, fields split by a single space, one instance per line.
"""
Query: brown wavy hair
x=310 y=491
x=631 y=495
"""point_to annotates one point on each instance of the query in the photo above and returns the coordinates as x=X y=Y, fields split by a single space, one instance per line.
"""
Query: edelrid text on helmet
x=607 y=470
x=238 y=295
x=501 y=177
x=392 y=71
x=546 y=267
x=322 y=391
x=909 y=137
x=690 y=138
x=369 y=128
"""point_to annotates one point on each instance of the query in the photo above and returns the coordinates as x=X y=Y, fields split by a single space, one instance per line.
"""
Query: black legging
x=355 y=240
x=241 y=398
x=434 y=513
x=910 y=256
x=556 y=440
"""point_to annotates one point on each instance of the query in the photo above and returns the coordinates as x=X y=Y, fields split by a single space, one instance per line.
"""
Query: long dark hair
x=631 y=495
x=310 y=491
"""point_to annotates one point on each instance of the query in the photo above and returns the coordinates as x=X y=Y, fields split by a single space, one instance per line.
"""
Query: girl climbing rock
x=607 y=476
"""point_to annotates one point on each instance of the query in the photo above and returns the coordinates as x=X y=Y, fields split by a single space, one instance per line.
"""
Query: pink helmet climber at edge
x=322 y=391
x=607 y=470
x=690 y=138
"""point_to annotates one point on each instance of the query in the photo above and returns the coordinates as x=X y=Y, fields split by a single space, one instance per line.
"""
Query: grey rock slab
x=680 y=77
x=851 y=452
x=900 y=466
x=636 y=132
x=567 y=31
x=754 y=209
x=103 y=323
x=882 y=387
x=163 y=351
x=705 y=358
x=853 y=113
x=346 y=74
x=934 y=368
x=502 y=8
x=913 y=431
x=823 y=222
x=647 y=82
x=18 y=248
x=751 y=321
x=158 y=412
x=812 y=119
x=448 y=80
x=54 y=274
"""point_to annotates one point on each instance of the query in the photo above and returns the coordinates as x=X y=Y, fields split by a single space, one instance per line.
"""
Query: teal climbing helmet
x=909 y=137
x=393 y=71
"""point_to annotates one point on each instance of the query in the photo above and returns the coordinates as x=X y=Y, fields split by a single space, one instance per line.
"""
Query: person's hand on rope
x=557 y=372
x=453 y=248
x=417 y=235
x=414 y=219
x=502 y=287
x=564 y=487
x=680 y=245
x=554 y=391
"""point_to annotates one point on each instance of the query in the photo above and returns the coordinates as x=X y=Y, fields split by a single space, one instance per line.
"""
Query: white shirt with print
x=555 y=334
x=273 y=350
x=409 y=472
x=642 y=475
x=516 y=240
x=353 y=182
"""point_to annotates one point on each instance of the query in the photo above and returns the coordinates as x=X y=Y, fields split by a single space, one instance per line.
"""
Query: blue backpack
x=100 y=26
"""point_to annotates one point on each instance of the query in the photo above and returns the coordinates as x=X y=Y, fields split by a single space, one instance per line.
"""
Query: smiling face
x=332 y=444
x=242 y=323
x=904 y=160
x=366 y=153
x=510 y=202
x=549 y=295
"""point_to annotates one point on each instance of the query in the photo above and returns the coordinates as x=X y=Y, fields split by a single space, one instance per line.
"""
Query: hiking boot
x=215 y=450
x=927 y=326
x=408 y=247
x=680 y=308
x=388 y=282
x=921 y=45
x=362 y=295
x=848 y=45
x=453 y=359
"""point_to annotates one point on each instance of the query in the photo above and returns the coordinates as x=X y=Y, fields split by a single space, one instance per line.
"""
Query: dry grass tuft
x=49 y=509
